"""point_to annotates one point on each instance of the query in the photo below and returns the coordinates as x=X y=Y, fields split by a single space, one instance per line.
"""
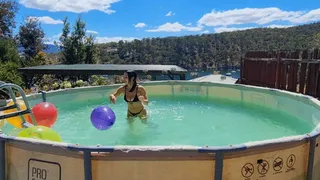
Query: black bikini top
x=136 y=99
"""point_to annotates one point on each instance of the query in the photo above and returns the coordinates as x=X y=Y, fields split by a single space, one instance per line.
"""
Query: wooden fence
x=296 y=71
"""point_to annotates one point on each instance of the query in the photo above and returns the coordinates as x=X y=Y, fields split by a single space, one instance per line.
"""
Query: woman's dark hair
x=132 y=74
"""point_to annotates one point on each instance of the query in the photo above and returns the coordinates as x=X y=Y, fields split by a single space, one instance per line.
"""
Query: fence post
x=2 y=160
x=241 y=70
x=277 y=83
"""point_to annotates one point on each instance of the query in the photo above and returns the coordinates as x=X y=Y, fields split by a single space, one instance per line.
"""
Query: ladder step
x=18 y=113
x=26 y=124
x=8 y=107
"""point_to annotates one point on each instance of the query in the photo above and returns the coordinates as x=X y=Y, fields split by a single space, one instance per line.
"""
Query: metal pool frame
x=219 y=152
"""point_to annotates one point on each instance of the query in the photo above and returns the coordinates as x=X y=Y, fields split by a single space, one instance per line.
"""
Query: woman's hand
x=143 y=100
x=112 y=98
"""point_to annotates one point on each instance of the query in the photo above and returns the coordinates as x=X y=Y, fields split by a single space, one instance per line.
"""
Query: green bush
x=9 y=73
x=65 y=85
x=99 y=80
x=79 y=83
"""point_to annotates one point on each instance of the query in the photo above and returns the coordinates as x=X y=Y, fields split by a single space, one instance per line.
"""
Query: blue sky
x=113 y=20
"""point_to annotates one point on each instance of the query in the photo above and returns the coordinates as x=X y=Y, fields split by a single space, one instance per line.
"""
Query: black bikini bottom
x=135 y=114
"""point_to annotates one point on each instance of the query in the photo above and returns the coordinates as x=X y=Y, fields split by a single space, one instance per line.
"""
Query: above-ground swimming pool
x=195 y=130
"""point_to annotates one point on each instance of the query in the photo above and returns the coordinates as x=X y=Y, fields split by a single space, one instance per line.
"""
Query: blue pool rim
x=217 y=150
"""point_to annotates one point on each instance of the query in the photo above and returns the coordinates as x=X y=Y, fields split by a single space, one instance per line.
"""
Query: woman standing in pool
x=134 y=94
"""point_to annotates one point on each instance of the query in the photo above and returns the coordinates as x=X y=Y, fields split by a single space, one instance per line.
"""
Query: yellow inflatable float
x=40 y=132
x=16 y=121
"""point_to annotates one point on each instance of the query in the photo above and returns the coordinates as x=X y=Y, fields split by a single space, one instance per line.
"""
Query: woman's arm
x=113 y=96
x=143 y=95
x=118 y=92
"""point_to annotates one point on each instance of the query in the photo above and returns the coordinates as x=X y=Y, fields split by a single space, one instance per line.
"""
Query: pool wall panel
x=159 y=90
x=268 y=164
x=224 y=93
x=316 y=163
x=33 y=162
x=189 y=90
x=155 y=169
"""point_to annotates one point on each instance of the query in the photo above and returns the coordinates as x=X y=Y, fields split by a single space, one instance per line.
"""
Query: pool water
x=178 y=120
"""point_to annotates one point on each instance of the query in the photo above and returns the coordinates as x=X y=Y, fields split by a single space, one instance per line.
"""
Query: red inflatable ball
x=45 y=114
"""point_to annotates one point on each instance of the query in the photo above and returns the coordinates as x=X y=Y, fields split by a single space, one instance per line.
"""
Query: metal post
x=218 y=166
x=13 y=96
x=311 y=157
x=44 y=96
x=2 y=160
x=182 y=76
x=87 y=165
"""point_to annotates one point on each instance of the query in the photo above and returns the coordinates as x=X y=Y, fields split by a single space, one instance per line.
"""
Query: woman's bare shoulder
x=121 y=88
x=141 y=88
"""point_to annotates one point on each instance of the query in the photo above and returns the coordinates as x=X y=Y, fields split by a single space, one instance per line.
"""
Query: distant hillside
x=51 y=49
x=208 y=50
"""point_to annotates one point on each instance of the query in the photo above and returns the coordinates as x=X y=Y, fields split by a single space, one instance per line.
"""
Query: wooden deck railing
x=296 y=71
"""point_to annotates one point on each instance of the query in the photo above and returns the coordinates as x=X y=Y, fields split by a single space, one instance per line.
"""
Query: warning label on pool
x=43 y=170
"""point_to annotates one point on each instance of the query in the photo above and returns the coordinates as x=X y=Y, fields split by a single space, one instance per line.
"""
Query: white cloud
x=258 y=16
x=114 y=39
x=175 y=27
x=46 y=20
x=230 y=29
x=170 y=13
x=206 y=31
x=278 y=26
x=98 y=39
x=313 y=15
x=140 y=25
x=75 y=6
x=50 y=40
x=92 y=32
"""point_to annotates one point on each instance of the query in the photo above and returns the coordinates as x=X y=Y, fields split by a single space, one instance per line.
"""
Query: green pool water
x=178 y=120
